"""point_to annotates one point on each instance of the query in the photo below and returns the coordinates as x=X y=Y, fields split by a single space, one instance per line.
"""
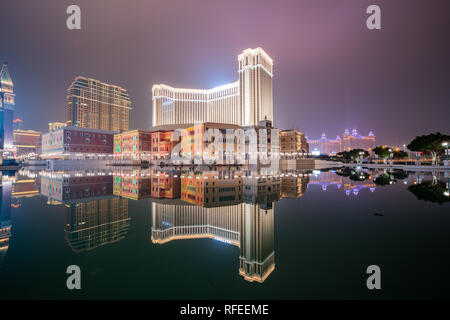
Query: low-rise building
x=25 y=141
x=133 y=145
x=52 y=126
x=77 y=143
x=293 y=144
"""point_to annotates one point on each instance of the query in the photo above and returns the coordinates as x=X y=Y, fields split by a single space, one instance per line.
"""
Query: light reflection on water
x=249 y=210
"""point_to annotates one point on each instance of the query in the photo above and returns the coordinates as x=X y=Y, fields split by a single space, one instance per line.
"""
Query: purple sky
x=330 y=71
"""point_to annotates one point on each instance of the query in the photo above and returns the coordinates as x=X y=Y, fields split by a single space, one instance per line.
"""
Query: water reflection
x=5 y=218
x=351 y=181
x=232 y=205
x=94 y=215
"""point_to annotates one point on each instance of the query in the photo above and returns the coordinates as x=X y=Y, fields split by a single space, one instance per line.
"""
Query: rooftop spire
x=5 y=78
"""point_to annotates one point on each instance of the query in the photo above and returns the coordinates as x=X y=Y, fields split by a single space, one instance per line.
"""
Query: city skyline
x=331 y=69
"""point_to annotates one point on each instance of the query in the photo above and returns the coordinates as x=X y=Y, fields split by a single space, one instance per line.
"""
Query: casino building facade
x=244 y=102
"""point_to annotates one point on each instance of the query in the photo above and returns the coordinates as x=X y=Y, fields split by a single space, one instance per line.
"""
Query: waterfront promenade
x=423 y=168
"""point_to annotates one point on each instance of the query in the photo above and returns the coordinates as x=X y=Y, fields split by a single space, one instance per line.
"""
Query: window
x=68 y=139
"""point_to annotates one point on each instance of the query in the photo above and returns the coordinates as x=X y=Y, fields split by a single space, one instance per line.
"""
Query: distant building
x=293 y=143
x=18 y=124
x=6 y=108
x=345 y=143
x=25 y=141
x=329 y=178
x=52 y=126
x=244 y=102
x=97 y=105
x=78 y=143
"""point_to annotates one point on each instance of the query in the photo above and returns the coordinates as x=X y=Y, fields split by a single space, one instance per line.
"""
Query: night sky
x=330 y=71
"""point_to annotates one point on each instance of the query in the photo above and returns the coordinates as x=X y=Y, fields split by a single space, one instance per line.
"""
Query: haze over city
x=330 y=71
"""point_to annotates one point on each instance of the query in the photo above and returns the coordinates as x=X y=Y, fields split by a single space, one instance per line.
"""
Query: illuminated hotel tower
x=244 y=102
x=97 y=105
x=6 y=108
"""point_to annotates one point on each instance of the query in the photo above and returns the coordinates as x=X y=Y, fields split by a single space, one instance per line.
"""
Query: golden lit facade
x=244 y=102
x=293 y=143
x=97 y=105
x=56 y=125
x=25 y=141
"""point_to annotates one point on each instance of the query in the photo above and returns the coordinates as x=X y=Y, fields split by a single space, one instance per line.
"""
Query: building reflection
x=232 y=205
x=145 y=183
x=92 y=224
x=5 y=218
x=328 y=178
x=294 y=184
x=226 y=205
x=94 y=215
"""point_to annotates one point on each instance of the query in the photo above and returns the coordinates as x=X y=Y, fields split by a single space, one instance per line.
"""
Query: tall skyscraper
x=6 y=108
x=97 y=105
x=244 y=102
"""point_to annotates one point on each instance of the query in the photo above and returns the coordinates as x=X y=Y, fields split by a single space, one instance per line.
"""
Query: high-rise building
x=244 y=102
x=6 y=108
x=97 y=105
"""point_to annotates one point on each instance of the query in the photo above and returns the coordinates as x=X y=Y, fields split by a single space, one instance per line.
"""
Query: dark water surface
x=147 y=234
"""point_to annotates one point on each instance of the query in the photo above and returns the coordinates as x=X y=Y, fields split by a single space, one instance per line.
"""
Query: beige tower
x=244 y=102
x=255 y=80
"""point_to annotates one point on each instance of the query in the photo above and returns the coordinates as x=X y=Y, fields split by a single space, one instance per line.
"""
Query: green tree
x=429 y=191
x=354 y=154
x=383 y=152
x=384 y=179
x=399 y=154
x=431 y=143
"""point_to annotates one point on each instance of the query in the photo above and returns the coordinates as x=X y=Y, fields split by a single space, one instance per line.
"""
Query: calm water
x=224 y=234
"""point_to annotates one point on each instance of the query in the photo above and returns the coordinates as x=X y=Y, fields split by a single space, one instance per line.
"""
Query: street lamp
x=361 y=156
x=445 y=144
